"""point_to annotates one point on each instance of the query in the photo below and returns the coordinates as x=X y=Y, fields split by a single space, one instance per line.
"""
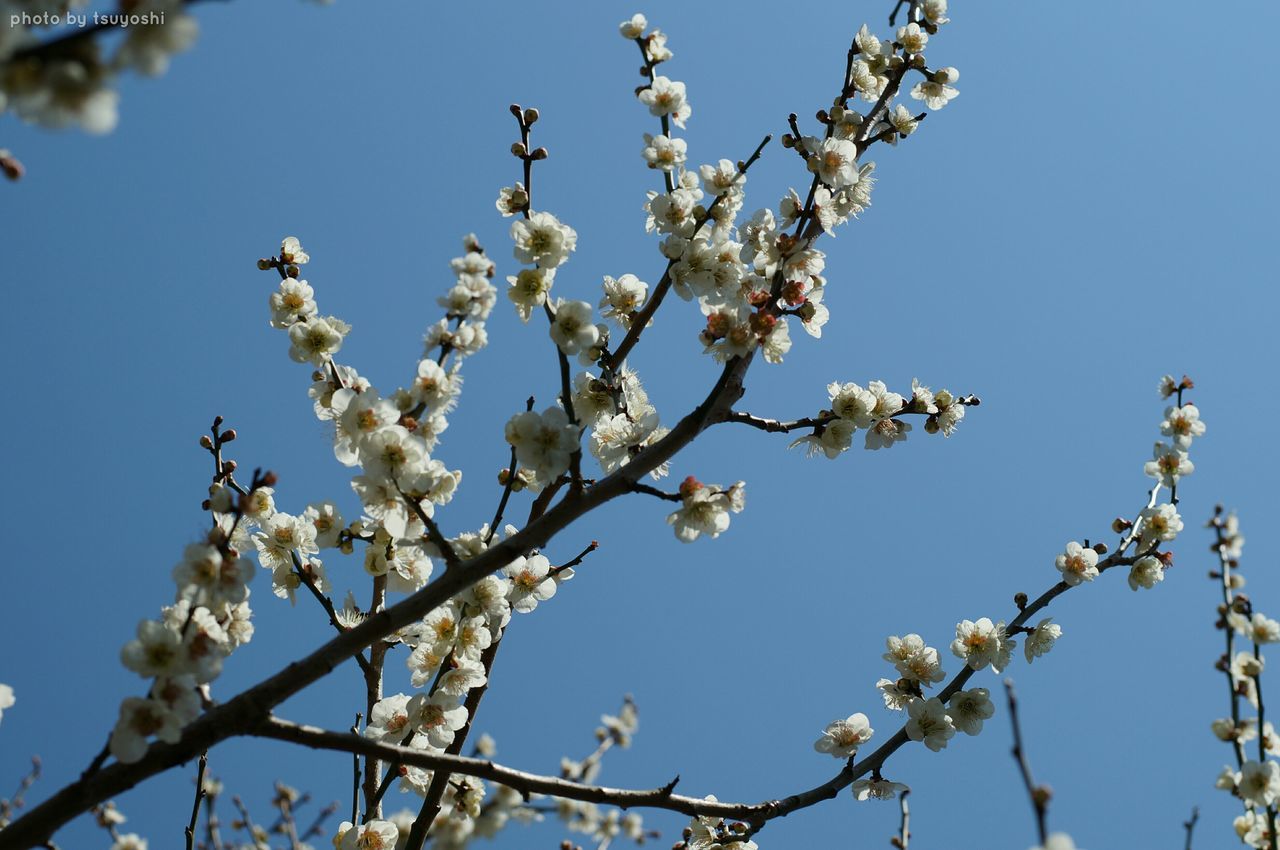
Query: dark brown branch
x=1190 y=824
x=373 y=693
x=775 y=426
x=1039 y=794
x=525 y=783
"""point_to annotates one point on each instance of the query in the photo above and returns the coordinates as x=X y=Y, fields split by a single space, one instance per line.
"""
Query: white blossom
x=968 y=709
x=1147 y=572
x=1041 y=639
x=929 y=723
x=543 y=239
x=667 y=97
x=705 y=509
x=1077 y=564
x=842 y=738
x=981 y=643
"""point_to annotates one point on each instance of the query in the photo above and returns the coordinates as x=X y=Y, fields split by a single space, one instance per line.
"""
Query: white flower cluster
x=705 y=509
x=390 y=438
x=1255 y=781
x=930 y=721
x=876 y=410
x=183 y=651
x=73 y=85
x=1181 y=424
x=707 y=832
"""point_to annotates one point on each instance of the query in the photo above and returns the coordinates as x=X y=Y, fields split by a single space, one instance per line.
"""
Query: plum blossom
x=1041 y=639
x=543 y=239
x=981 y=643
x=531 y=582
x=842 y=738
x=1077 y=564
x=667 y=97
x=968 y=709
x=929 y=723
x=544 y=442
x=705 y=509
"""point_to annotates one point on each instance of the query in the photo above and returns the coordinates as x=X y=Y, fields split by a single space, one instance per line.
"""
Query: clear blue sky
x=1092 y=212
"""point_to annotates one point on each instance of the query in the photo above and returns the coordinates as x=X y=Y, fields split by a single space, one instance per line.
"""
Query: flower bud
x=531 y=116
x=518 y=149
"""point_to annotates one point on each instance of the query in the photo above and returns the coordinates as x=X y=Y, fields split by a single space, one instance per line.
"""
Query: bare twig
x=777 y=426
x=903 y=839
x=355 y=775
x=1190 y=824
x=507 y=488
x=1039 y=794
x=327 y=604
x=195 y=806
x=373 y=693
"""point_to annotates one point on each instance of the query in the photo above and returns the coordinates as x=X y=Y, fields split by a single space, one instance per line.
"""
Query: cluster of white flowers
x=183 y=651
x=1181 y=424
x=876 y=410
x=1255 y=781
x=985 y=643
x=707 y=832
x=929 y=720
x=705 y=508
x=73 y=84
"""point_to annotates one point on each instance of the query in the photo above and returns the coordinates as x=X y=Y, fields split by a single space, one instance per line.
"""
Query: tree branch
x=245 y=711
x=1038 y=794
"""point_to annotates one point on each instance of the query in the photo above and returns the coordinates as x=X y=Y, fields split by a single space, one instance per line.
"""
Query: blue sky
x=1093 y=211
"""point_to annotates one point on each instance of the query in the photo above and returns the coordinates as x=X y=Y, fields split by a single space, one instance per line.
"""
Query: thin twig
x=903 y=838
x=777 y=426
x=355 y=775
x=1190 y=824
x=327 y=604
x=576 y=559
x=195 y=806
x=1039 y=794
x=507 y=488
